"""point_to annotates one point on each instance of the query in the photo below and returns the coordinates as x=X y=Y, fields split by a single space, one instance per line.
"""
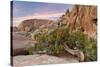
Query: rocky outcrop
x=81 y=17
x=31 y=24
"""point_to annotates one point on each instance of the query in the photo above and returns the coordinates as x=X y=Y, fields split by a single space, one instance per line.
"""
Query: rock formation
x=31 y=24
x=81 y=17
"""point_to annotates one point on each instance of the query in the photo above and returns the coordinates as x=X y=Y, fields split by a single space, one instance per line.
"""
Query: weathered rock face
x=83 y=17
x=31 y=24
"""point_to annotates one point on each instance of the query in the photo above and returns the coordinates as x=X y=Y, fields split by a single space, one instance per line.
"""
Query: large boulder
x=31 y=60
x=20 y=44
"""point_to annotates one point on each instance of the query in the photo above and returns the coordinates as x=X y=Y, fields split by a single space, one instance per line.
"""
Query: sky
x=37 y=10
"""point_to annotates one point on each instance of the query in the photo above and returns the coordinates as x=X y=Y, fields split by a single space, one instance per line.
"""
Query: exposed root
x=78 y=53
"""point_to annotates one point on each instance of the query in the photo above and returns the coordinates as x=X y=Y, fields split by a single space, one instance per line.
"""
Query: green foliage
x=56 y=49
x=40 y=37
x=53 y=42
x=30 y=50
x=77 y=39
x=87 y=45
x=91 y=50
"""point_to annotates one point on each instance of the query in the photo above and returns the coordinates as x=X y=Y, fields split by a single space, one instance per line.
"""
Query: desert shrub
x=53 y=42
x=57 y=38
x=78 y=40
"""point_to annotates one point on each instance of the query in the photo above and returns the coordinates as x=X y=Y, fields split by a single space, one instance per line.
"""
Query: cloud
x=17 y=20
